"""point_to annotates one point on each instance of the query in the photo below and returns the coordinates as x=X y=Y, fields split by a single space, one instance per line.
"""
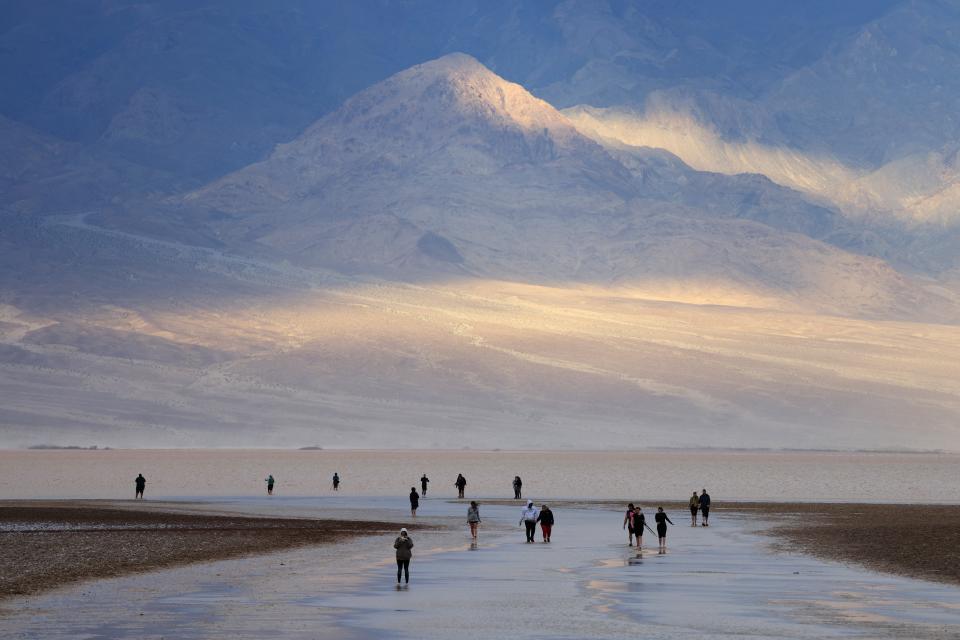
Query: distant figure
x=473 y=518
x=403 y=544
x=517 y=486
x=546 y=522
x=269 y=481
x=460 y=484
x=662 y=520
x=694 y=506
x=639 y=524
x=705 y=507
x=424 y=480
x=628 y=523
x=414 y=501
x=528 y=518
x=141 y=484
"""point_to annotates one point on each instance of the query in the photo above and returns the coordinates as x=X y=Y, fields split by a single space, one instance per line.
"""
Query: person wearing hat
x=403 y=544
x=528 y=517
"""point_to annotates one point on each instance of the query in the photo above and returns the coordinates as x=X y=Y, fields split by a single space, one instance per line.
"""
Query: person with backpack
x=662 y=519
x=528 y=518
x=694 y=507
x=473 y=518
x=460 y=484
x=628 y=523
x=705 y=508
x=404 y=545
x=414 y=502
x=546 y=522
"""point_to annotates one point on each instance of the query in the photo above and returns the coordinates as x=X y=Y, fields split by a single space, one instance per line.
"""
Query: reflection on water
x=650 y=475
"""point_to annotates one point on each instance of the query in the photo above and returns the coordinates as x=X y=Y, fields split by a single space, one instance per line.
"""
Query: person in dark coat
x=517 y=486
x=140 y=483
x=460 y=484
x=404 y=545
x=414 y=502
x=546 y=522
x=704 y=508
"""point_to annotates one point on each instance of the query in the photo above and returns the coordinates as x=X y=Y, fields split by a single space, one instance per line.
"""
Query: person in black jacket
x=414 y=502
x=704 y=508
x=662 y=520
x=460 y=484
x=546 y=522
x=639 y=524
x=517 y=486
x=140 y=483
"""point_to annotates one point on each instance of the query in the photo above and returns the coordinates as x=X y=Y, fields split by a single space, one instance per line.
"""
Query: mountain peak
x=453 y=91
x=447 y=115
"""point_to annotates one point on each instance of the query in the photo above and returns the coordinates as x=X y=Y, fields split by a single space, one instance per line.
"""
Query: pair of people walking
x=700 y=503
x=530 y=516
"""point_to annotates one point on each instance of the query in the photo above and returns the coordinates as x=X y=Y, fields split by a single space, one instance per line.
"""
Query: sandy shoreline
x=919 y=541
x=46 y=544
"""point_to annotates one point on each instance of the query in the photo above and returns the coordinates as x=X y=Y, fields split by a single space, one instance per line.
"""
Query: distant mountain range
x=224 y=223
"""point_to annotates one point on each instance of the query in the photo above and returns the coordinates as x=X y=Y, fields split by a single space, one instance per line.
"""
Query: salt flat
x=714 y=582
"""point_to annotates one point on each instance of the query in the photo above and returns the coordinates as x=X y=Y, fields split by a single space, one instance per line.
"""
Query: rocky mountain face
x=739 y=229
x=448 y=170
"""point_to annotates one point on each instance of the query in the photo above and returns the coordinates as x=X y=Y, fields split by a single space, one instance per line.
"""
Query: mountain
x=447 y=170
x=225 y=224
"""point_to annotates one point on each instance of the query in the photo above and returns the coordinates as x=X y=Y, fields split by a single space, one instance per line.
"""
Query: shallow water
x=724 y=581
x=794 y=476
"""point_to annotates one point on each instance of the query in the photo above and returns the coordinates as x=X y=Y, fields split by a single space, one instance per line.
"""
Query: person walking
x=628 y=523
x=528 y=518
x=140 y=483
x=414 y=502
x=269 y=480
x=403 y=544
x=546 y=521
x=517 y=486
x=336 y=481
x=694 y=507
x=704 y=508
x=473 y=518
x=639 y=524
x=460 y=484
x=662 y=519
x=424 y=480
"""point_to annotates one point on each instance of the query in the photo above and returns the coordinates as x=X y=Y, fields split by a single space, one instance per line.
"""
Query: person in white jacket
x=529 y=519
